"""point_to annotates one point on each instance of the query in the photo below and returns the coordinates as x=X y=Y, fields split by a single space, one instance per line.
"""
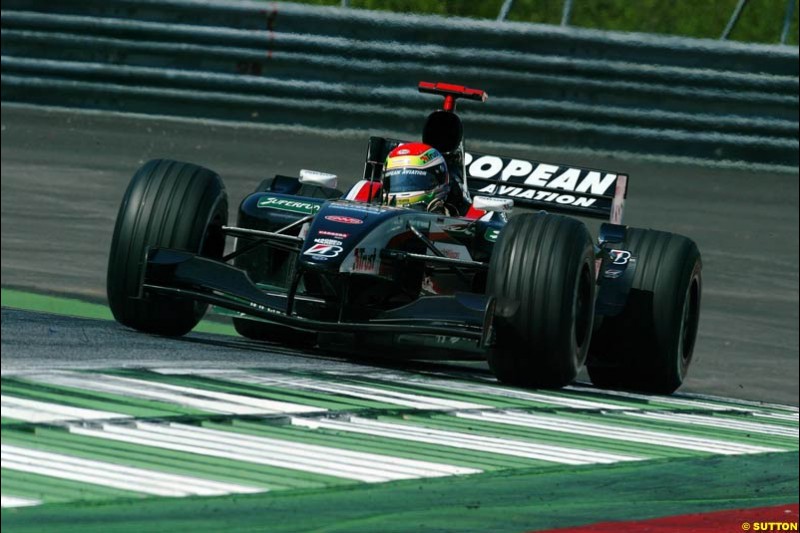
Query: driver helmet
x=415 y=175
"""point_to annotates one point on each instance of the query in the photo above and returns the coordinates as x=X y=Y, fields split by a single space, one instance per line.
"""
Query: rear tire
x=167 y=204
x=542 y=274
x=649 y=346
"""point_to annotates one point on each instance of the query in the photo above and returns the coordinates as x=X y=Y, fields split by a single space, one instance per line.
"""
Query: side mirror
x=493 y=204
x=322 y=179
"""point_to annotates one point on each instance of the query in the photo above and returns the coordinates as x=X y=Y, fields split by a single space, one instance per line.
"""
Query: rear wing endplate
x=558 y=188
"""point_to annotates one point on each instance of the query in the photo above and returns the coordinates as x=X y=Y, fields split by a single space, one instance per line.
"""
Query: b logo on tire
x=620 y=257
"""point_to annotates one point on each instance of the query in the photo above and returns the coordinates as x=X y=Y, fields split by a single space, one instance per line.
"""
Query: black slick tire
x=168 y=204
x=649 y=346
x=542 y=274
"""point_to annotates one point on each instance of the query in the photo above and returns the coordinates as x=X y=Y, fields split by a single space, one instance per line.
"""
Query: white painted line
x=530 y=450
x=114 y=475
x=206 y=400
x=14 y=501
x=620 y=433
x=404 y=399
x=36 y=411
x=416 y=401
x=389 y=463
x=194 y=371
x=749 y=403
x=668 y=400
x=87 y=475
x=791 y=417
x=718 y=422
x=503 y=392
x=695 y=401
x=361 y=466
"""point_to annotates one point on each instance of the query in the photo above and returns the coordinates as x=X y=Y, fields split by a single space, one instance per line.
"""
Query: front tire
x=649 y=346
x=168 y=204
x=542 y=274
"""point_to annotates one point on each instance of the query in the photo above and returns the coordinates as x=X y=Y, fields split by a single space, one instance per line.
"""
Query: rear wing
x=558 y=188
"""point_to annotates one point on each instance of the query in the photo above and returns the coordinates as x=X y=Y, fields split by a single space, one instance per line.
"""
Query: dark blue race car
x=443 y=271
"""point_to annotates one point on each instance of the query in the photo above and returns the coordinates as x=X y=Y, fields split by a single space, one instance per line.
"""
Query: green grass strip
x=60 y=305
x=522 y=500
x=759 y=22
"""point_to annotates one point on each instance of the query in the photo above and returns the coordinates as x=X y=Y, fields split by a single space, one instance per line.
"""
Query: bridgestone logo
x=284 y=204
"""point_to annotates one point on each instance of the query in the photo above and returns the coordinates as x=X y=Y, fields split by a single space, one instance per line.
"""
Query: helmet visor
x=415 y=179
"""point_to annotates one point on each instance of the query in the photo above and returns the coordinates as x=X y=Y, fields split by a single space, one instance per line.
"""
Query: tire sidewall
x=584 y=275
x=673 y=334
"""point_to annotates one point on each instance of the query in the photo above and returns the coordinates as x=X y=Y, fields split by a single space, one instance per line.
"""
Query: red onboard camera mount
x=451 y=93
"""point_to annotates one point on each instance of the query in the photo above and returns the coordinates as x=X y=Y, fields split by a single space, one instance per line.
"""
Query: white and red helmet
x=415 y=175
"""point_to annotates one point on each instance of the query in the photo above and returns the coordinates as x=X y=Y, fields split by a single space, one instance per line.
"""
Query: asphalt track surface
x=64 y=173
x=40 y=341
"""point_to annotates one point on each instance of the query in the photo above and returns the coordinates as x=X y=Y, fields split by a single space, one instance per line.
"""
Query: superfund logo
x=285 y=204
x=552 y=182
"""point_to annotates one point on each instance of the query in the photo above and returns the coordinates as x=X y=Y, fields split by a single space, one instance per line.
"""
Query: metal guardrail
x=345 y=68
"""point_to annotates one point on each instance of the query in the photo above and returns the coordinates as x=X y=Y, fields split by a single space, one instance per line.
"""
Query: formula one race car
x=419 y=257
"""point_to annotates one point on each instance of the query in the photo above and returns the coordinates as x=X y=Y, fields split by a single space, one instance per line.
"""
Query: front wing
x=183 y=274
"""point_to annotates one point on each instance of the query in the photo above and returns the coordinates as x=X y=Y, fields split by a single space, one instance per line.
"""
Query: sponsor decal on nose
x=343 y=220
x=285 y=204
x=325 y=251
